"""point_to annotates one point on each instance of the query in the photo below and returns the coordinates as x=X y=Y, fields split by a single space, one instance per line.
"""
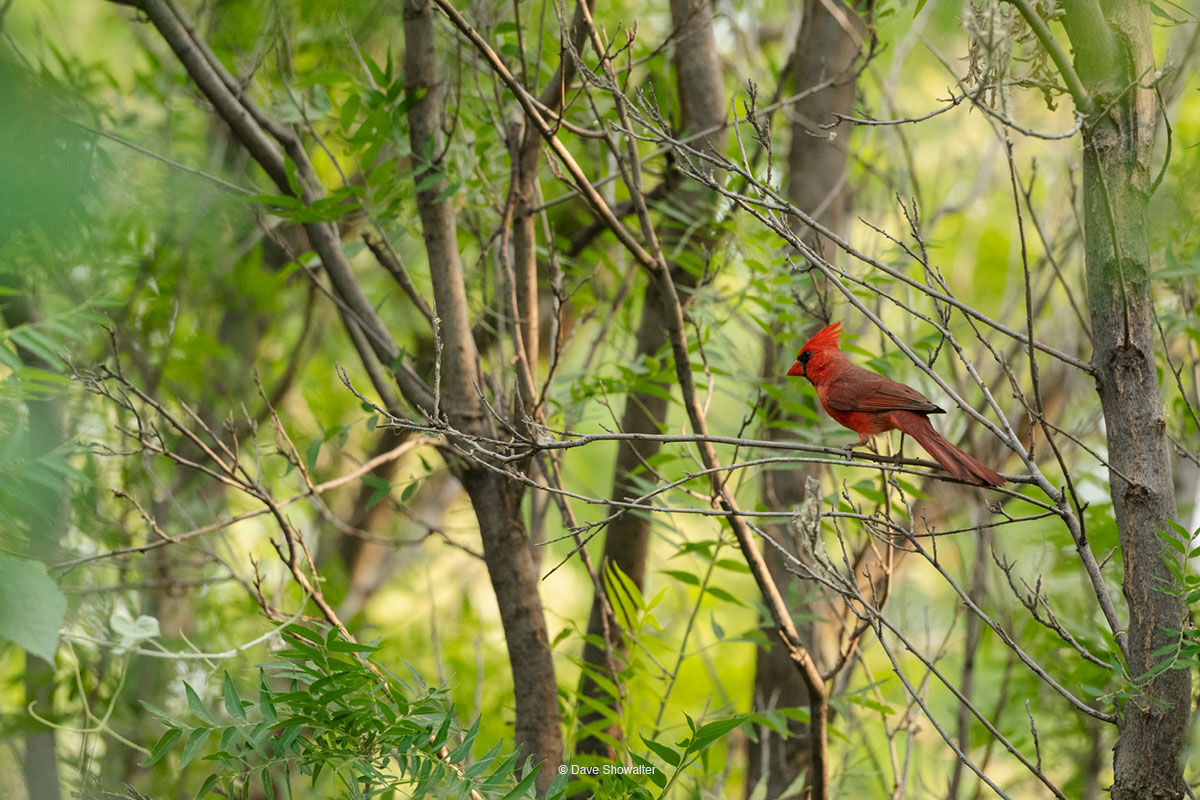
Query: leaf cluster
x=326 y=715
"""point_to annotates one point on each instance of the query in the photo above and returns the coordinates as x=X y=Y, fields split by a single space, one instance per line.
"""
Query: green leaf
x=191 y=747
x=873 y=704
x=197 y=706
x=379 y=485
x=310 y=455
x=1176 y=269
x=268 y=785
x=521 y=788
x=380 y=75
x=158 y=712
x=162 y=747
x=709 y=733
x=721 y=594
x=233 y=703
x=1158 y=12
x=445 y=194
x=459 y=753
x=349 y=111
x=683 y=577
x=10 y=359
x=801 y=715
x=209 y=784
x=32 y=607
x=36 y=343
x=266 y=705
x=439 y=738
x=662 y=751
x=279 y=201
x=656 y=775
x=343 y=646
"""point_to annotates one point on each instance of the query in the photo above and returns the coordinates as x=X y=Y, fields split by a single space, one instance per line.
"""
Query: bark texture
x=626 y=544
x=1115 y=61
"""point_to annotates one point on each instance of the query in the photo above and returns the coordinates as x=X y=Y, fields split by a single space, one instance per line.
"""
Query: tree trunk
x=1115 y=63
x=496 y=499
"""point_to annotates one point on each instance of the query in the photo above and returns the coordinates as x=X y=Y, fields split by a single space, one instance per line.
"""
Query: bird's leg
x=862 y=440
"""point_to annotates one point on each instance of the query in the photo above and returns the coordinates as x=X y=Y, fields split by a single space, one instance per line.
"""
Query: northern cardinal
x=868 y=403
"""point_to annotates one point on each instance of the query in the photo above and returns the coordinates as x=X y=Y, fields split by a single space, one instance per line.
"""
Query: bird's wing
x=860 y=389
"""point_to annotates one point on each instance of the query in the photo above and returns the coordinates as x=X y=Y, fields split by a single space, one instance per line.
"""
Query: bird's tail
x=958 y=463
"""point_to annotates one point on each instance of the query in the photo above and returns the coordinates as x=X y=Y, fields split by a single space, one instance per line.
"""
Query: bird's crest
x=826 y=337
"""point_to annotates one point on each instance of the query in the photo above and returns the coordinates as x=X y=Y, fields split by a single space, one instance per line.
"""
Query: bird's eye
x=804 y=357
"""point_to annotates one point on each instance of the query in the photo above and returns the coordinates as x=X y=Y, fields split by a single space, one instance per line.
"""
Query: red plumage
x=868 y=403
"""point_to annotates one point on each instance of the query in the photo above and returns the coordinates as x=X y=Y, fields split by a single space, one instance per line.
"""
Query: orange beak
x=796 y=370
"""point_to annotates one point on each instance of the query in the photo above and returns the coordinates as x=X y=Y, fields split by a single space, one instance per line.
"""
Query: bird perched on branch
x=868 y=403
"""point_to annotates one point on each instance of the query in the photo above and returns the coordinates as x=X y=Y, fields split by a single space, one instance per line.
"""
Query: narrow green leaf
x=721 y=594
x=268 y=785
x=310 y=455
x=459 y=753
x=381 y=489
x=191 y=747
x=197 y=706
x=709 y=733
x=158 y=712
x=682 y=577
x=233 y=703
x=209 y=784
x=443 y=731
x=662 y=751
x=162 y=747
x=656 y=775
x=266 y=706
x=523 y=786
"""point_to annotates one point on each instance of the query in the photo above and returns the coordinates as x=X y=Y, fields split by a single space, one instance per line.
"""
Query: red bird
x=868 y=403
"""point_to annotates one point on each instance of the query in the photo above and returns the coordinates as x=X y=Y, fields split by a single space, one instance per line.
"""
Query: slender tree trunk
x=1115 y=62
x=496 y=499
x=698 y=84
x=525 y=150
